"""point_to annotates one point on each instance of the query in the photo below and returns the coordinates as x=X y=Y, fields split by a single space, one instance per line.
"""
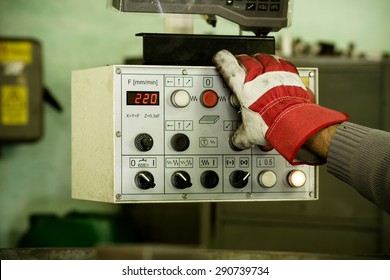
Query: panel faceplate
x=172 y=128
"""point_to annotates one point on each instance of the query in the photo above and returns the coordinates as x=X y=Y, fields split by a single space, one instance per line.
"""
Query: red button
x=209 y=98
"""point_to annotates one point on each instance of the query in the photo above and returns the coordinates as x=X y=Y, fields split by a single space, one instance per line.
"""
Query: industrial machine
x=259 y=16
x=21 y=90
x=149 y=133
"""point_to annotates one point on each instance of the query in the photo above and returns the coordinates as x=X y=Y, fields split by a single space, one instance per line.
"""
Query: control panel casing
x=161 y=134
x=251 y=15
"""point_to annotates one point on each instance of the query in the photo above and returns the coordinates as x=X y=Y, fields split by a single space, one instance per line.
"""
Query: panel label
x=14 y=105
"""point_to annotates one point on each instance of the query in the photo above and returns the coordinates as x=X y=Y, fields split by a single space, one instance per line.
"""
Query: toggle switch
x=296 y=178
x=180 y=98
x=144 y=180
x=209 y=98
x=239 y=179
x=181 y=180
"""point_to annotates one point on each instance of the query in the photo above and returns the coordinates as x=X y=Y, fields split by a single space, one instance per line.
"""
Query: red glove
x=276 y=107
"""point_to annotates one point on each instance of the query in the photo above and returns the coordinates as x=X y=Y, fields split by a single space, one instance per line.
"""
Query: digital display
x=143 y=98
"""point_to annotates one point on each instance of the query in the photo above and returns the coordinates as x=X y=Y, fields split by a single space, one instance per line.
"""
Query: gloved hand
x=276 y=107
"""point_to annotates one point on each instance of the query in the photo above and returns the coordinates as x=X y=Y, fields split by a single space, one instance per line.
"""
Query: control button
x=180 y=142
x=262 y=7
x=209 y=179
x=266 y=148
x=143 y=142
x=239 y=179
x=180 y=98
x=274 y=7
x=229 y=2
x=233 y=100
x=181 y=180
x=209 y=98
x=144 y=180
x=233 y=147
x=250 y=6
x=296 y=178
x=267 y=179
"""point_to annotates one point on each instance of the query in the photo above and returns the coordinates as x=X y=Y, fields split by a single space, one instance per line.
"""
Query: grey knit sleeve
x=360 y=156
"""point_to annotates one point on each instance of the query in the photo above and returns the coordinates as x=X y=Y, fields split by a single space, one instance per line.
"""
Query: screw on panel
x=311 y=74
x=311 y=194
x=118 y=134
x=184 y=72
x=248 y=195
x=118 y=71
x=184 y=196
x=118 y=196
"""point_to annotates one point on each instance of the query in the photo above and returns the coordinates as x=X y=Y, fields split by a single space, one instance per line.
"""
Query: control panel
x=162 y=134
x=251 y=15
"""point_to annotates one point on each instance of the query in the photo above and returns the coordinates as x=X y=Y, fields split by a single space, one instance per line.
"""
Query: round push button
x=180 y=98
x=180 y=142
x=209 y=179
x=209 y=98
x=267 y=179
x=296 y=178
x=233 y=100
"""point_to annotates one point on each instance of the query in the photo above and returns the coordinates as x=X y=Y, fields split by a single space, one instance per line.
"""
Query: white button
x=296 y=178
x=233 y=100
x=267 y=179
x=180 y=98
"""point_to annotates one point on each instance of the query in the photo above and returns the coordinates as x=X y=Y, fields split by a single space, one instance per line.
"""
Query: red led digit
x=137 y=100
x=153 y=98
x=145 y=99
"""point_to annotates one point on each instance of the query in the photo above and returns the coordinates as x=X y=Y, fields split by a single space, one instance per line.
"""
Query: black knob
x=180 y=142
x=209 y=179
x=143 y=142
x=239 y=179
x=181 y=180
x=144 y=180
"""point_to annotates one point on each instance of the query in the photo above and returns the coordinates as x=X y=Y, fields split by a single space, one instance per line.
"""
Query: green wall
x=365 y=23
x=35 y=177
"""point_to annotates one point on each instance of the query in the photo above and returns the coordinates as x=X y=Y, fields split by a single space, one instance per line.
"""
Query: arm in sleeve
x=360 y=156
